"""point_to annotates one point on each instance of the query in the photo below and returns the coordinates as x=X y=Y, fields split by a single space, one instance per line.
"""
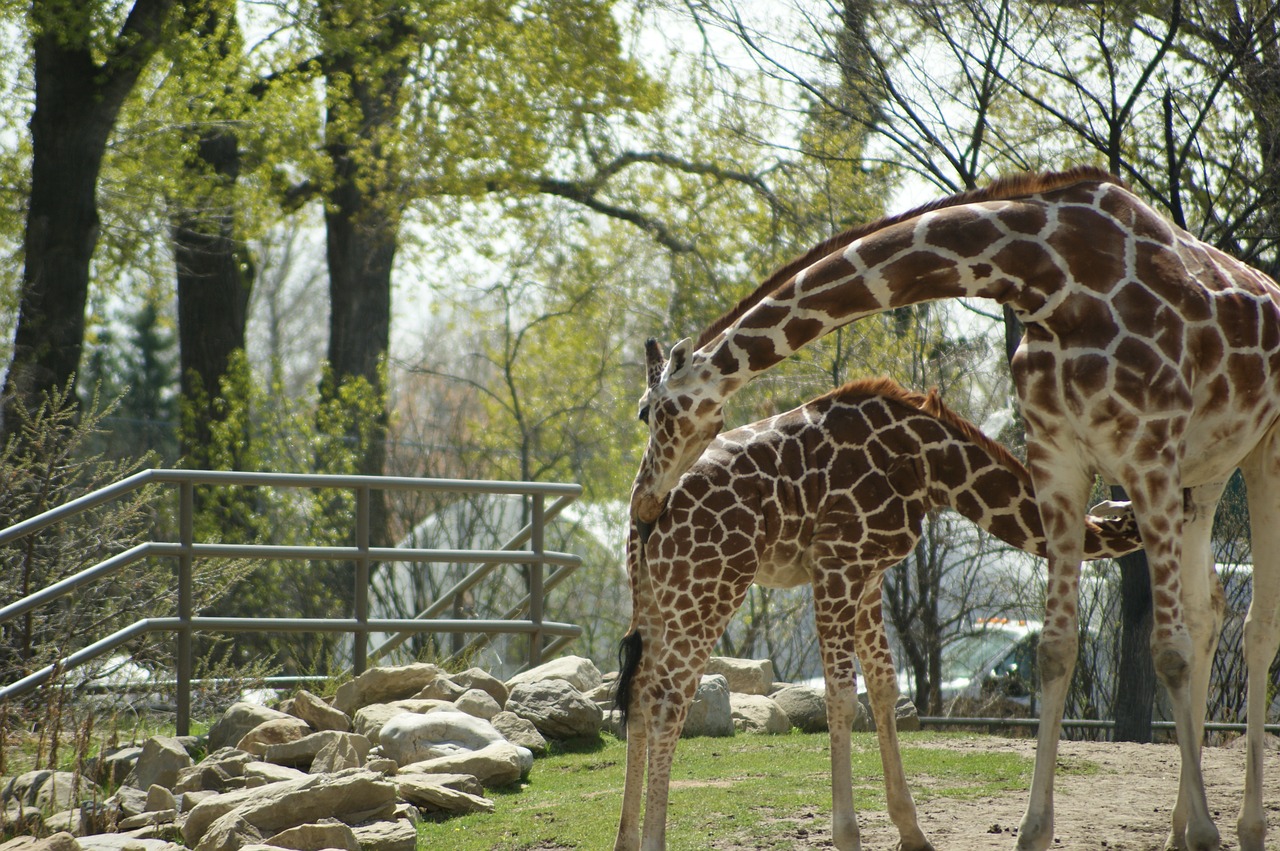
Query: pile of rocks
x=740 y=695
x=357 y=772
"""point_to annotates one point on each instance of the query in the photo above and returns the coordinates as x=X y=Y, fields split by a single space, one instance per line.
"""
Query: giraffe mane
x=928 y=403
x=1000 y=189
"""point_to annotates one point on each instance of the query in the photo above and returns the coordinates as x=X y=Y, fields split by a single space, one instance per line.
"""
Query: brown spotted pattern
x=1150 y=359
x=830 y=494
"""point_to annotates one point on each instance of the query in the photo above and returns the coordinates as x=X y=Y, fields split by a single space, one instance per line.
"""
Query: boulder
x=477 y=702
x=230 y=832
x=906 y=715
x=496 y=765
x=163 y=758
x=755 y=713
x=60 y=841
x=159 y=798
x=220 y=771
x=49 y=791
x=577 y=671
x=710 y=713
x=557 y=708
x=368 y=720
x=316 y=836
x=441 y=688
x=277 y=731
x=745 y=676
x=408 y=738
x=127 y=801
x=338 y=755
x=301 y=753
x=483 y=680
x=805 y=706
x=219 y=823
x=262 y=773
x=239 y=719
x=520 y=732
x=432 y=793
x=319 y=714
x=21 y=818
x=383 y=685
x=397 y=835
x=113 y=765
x=124 y=842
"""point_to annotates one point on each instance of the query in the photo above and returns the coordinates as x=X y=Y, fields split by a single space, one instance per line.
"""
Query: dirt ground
x=1125 y=806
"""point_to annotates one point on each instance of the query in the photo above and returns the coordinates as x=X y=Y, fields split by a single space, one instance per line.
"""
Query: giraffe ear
x=679 y=355
x=654 y=361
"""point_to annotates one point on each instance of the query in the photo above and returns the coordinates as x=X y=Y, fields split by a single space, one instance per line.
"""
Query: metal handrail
x=186 y=551
x=1083 y=723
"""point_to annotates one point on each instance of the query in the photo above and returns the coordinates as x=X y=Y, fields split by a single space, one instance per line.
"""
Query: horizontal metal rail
x=1083 y=723
x=291 y=480
x=187 y=550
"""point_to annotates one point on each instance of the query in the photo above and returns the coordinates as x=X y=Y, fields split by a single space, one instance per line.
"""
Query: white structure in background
x=488 y=522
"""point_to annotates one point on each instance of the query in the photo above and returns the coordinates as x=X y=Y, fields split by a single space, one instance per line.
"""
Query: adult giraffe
x=830 y=494
x=1150 y=358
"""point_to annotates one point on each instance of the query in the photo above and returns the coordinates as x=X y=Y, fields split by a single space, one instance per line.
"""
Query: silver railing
x=186 y=551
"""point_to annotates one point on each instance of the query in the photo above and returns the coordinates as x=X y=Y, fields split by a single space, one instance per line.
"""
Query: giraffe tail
x=629 y=651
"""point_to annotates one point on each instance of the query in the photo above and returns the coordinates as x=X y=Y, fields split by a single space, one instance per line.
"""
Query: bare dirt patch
x=1124 y=806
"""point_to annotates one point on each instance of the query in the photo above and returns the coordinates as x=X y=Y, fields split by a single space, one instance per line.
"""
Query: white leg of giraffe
x=665 y=723
x=633 y=786
x=882 y=690
x=1061 y=496
x=1262 y=626
x=1202 y=606
x=1160 y=513
x=842 y=692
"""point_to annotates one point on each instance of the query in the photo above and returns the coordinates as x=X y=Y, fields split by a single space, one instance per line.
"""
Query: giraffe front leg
x=669 y=698
x=841 y=695
x=1202 y=606
x=837 y=667
x=851 y=626
x=1261 y=631
x=882 y=690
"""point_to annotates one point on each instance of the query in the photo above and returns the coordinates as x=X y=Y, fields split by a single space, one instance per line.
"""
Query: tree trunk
x=77 y=101
x=215 y=278
x=1136 y=673
x=214 y=269
x=362 y=220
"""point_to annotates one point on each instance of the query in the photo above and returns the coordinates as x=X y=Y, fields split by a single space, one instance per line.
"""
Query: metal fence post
x=535 y=581
x=360 y=643
x=186 y=540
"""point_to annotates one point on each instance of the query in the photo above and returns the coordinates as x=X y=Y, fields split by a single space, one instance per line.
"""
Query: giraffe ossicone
x=1150 y=358
x=830 y=494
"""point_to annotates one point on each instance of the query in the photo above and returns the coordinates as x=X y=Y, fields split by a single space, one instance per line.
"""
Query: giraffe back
x=852 y=472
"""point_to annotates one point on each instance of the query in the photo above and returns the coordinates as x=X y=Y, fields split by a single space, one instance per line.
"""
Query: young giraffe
x=1150 y=358
x=831 y=494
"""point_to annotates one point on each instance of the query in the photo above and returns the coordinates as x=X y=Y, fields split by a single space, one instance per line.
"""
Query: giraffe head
x=683 y=408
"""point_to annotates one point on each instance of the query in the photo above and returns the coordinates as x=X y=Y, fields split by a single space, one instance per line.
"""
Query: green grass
x=757 y=791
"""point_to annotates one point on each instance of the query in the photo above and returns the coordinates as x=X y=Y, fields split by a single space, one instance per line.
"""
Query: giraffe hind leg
x=1261 y=630
x=1173 y=645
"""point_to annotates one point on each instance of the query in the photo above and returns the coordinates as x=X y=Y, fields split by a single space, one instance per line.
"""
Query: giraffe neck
x=983 y=481
x=1002 y=249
